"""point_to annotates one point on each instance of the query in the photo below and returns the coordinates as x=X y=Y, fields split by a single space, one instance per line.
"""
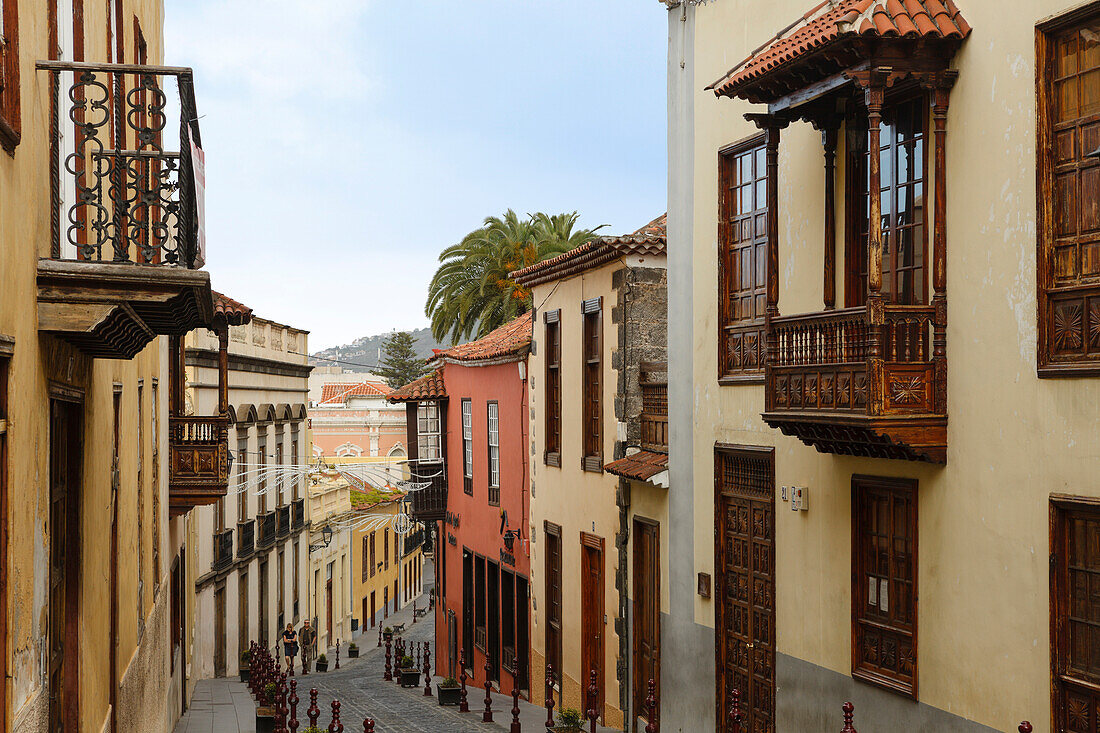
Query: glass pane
x=1066 y=96
x=1090 y=92
x=1090 y=48
x=761 y=163
x=1067 y=56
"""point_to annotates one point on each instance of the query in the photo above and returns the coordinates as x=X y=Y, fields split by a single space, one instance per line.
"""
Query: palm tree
x=471 y=292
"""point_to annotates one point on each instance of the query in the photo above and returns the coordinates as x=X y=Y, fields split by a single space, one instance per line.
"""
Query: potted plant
x=449 y=692
x=245 y=668
x=265 y=710
x=353 y=650
x=313 y=729
x=569 y=720
x=322 y=663
x=387 y=633
x=410 y=675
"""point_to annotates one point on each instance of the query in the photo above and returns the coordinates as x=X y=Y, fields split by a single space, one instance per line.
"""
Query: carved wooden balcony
x=246 y=538
x=298 y=513
x=282 y=521
x=223 y=550
x=654 y=418
x=267 y=525
x=852 y=383
x=122 y=265
x=429 y=504
x=198 y=462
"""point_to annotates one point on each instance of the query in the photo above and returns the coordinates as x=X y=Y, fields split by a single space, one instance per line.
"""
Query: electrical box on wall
x=800 y=498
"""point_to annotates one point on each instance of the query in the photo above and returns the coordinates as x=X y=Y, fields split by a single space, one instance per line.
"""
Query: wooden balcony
x=266 y=536
x=298 y=513
x=654 y=418
x=861 y=381
x=198 y=462
x=429 y=504
x=246 y=538
x=282 y=521
x=126 y=244
x=223 y=550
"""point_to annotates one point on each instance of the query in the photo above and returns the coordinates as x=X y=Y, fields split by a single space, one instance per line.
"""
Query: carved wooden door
x=746 y=587
x=219 y=631
x=65 y=460
x=647 y=614
x=592 y=617
x=1075 y=608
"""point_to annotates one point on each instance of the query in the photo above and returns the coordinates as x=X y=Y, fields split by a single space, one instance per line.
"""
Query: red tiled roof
x=513 y=338
x=640 y=466
x=337 y=393
x=229 y=310
x=833 y=21
x=428 y=387
x=649 y=240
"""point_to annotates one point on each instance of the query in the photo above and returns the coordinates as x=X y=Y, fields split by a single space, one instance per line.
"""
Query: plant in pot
x=449 y=692
x=410 y=675
x=353 y=650
x=313 y=729
x=245 y=669
x=265 y=709
x=322 y=663
x=569 y=720
x=387 y=633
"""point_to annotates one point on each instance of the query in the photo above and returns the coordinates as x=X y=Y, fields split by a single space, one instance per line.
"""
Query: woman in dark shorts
x=290 y=645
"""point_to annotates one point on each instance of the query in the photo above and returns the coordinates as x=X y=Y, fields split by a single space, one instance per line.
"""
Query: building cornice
x=208 y=359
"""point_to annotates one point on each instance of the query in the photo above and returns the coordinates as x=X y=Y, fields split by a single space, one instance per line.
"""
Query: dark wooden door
x=242 y=612
x=65 y=461
x=468 y=608
x=219 y=631
x=1075 y=616
x=647 y=612
x=745 y=563
x=592 y=610
x=328 y=610
x=553 y=601
x=262 y=599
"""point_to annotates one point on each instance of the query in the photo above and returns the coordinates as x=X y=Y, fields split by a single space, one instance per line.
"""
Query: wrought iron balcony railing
x=413 y=541
x=266 y=536
x=282 y=515
x=429 y=504
x=298 y=513
x=246 y=538
x=223 y=549
x=199 y=461
x=124 y=186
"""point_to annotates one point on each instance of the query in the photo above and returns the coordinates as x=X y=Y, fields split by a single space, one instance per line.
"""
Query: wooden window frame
x=728 y=327
x=492 y=473
x=592 y=401
x=860 y=589
x=373 y=556
x=467 y=446
x=421 y=434
x=242 y=473
x=10 y=123
x=366 y=558
x=385 y=548
x=1068 y=314
x=552 y=330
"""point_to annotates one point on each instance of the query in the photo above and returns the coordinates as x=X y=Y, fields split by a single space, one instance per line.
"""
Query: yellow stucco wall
x=577 y=500
x=1013 y=439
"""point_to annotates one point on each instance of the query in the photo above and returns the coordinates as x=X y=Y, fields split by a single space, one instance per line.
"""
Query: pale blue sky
x=349 y=141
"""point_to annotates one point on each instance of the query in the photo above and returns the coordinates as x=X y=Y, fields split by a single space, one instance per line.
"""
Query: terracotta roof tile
x=428 y=387
x=337 y=393
x=832 y=22
x=513 y=338
x=649 y=240
x=229 y=310
x=640 y=466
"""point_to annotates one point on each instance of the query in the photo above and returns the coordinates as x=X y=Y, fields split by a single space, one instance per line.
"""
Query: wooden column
x=828 y=140
x=771 y=125
x=175 y=376
x=223 y=369
x=876 y=314
x=941 y=96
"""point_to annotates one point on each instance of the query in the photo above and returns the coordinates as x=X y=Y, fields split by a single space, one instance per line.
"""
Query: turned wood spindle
x=651 y=708
x=593 y=701
x=849 y=710
x=515 y=727
x=335 y=726
x=313 y=712
x=463 y=704
x=549 y=696
x=487 y=716
x=427 y=670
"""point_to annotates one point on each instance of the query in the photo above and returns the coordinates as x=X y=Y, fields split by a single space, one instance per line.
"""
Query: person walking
x=290 y=646
x=308 y=639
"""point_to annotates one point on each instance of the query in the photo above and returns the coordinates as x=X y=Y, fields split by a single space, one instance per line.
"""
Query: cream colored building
x=894 y=531
x=329 y=500
x=578 y=573
x=98 y=464
x=250 y=551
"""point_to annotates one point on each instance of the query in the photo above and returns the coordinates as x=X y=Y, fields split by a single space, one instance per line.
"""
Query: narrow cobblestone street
x=224 y=705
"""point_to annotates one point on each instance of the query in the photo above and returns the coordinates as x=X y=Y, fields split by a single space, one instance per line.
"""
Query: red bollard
x=379 y=645
x=651 y=709
x=368 y=725
x=293 y=701
x=848 y=711
x=388 y=677
x=1025 y=727
x=414 y=612
x=515 y=698
x=313 y=712
x=280 y=703
x=427 y=670
x=337 y=654
x=463 y=705
x=593 y=701
x=335 y=726
x=549 y=696
x=487 y=716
